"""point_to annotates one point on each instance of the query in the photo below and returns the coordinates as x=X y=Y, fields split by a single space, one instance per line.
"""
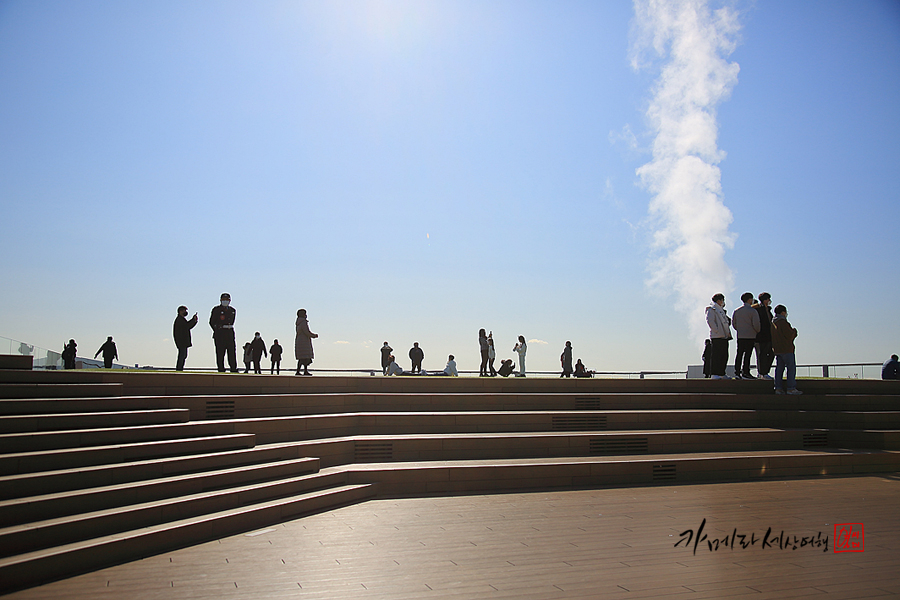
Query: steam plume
x=690 y=220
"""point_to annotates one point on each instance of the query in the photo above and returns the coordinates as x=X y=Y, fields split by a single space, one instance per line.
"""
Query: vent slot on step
x=579 y=422
x=618 y=446
x=220 y=409
x=815 y=439
x=588 y=403
x=374 y=451
x=664 y=473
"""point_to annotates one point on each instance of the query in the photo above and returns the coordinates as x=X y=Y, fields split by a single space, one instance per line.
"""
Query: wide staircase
x=103 y=467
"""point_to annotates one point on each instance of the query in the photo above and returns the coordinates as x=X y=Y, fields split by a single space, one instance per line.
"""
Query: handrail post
x=824 y=370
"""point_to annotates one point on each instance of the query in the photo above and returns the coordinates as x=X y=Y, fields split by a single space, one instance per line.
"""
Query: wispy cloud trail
x=689 y=218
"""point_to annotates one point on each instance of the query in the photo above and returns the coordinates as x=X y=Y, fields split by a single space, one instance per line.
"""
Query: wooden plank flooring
x=610 y=543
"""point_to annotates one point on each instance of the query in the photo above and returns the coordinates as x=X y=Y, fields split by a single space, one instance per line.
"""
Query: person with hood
x=221 y=320
x=181 y=333
x=566 y=359
x=275 y=354
x=303 y=348
x=109 y=352
x=719 y=334
x=257 y=350
x=68 y=354
x=783 y=336
x=746 y=322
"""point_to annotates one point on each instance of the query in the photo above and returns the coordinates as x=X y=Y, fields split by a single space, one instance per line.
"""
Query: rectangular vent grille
x=618 y=446
x=589 y=403
x=664 y=473
x=220 y=409
x=579 y=422
x=817 y=439
x=374 y=451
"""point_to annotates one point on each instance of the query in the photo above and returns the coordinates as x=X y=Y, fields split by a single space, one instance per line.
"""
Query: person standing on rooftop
x=485 y=351
x=566 y=359
x=181 y=333
x=764 y=353
x=221 y=320
x=109 y=352
x=386 y=351
x=303 y=347
x=416 y=355
x=521 y=348
x=275 y=356
x=719 y=334
x=783 y=336
x=746 y=322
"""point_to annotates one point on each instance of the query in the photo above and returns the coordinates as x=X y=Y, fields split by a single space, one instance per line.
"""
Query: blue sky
x=414 y=171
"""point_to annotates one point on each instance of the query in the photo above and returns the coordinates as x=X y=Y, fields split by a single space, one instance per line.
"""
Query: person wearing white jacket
x=719 y=334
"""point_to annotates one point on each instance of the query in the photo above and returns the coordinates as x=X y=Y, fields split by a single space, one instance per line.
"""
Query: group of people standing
x=221 y=320
x=772 y=336
x=108 y=349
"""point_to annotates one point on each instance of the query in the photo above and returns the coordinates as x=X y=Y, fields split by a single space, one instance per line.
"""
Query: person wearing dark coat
x=485 y=348
x=385 y=358
x=109 y=352
x=221 y=319
x=181 y=333
x=257 y=350
x=416 y=355
x=68 y=354
x=891 y=368
x=303 y=348
x=566 y=359
x=765 y=356
x=275 y=354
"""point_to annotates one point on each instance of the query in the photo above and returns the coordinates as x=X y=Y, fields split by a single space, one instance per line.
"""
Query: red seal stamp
x=849 y=537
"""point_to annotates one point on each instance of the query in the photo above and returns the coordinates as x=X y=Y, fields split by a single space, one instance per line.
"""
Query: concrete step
x=304 y=427
x=67 y=458
x=18 y=511
x=47 y=406
x=404 y=479
x=61 y=421
x=48 y=482
x=60 y=561
x=59 y=390
x=440 y=447
x=78 y=438
x=28 y=537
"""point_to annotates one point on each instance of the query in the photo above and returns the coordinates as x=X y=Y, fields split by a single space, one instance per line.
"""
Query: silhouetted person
x=385 y=357
x=506 y=368
x=303 y=347
x=492 y=354
x=416 y=355
x=221 y=319
x=275 y=354
x=580 y=371
x=181 y=333
x=521 y=348
x=485 y=349
x=248 y=356
x=566 y=359
x=765 y=356
x=257 y=350
x=68 y=354
x=891 y=368
x=109 y=352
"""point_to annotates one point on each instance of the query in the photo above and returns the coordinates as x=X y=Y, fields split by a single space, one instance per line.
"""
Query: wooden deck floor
x=608 y=543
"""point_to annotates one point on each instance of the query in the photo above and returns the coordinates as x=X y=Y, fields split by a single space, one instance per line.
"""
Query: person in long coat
x=303 y=348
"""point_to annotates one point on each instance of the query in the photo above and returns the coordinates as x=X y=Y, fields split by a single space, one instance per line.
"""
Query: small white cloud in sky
x=538 y=342
x=341 y=342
